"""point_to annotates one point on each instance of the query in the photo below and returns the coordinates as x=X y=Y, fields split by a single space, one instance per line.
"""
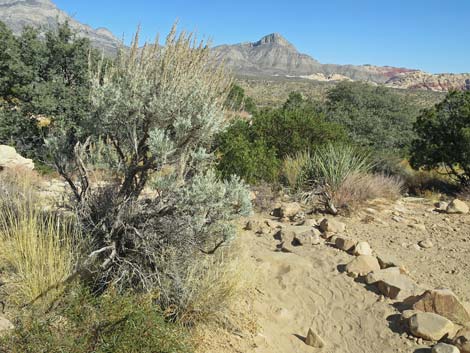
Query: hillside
x=18 y=14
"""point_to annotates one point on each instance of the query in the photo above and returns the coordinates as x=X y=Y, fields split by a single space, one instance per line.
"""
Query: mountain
x=17 y=14
x=273 y=55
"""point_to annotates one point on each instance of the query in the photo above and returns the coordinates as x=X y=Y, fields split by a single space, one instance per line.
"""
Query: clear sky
x=432 y=35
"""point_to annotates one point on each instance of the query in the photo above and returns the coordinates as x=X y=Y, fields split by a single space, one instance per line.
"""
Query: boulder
x=314 y=340
x=462 y=340
x=289 y=210
x=398 y=286
x=345 y=243
x=445 y=303
x=307 y=237
x=457 y=207
x=444 y=348
x=362 y=248
x=10 y=159
x=380 y=275
x=362 y=265
x=330 y=225
x=430 y=326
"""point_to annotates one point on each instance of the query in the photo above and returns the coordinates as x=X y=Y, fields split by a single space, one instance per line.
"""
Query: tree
x=45 y=87
x=374 y=116
x=237 y=100
x=443 y=137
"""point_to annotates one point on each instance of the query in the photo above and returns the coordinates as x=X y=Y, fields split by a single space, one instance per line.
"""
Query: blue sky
x=432 y=35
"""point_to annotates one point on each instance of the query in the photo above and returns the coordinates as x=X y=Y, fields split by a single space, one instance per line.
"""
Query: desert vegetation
x=158 y=148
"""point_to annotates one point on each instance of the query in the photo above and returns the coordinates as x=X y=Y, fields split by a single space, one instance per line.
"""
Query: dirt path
x=306 y=288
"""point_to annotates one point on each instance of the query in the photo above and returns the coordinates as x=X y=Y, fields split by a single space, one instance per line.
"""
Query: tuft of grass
x=212 y=284
x=36 y=247
x=357 y=188
x=294 y=169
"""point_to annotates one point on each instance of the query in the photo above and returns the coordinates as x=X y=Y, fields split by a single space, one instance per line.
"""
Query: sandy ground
x=295 y=291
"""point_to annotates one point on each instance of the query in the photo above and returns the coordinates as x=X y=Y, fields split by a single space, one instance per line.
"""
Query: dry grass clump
x=357 y=188
x=294 y=168
x=36 y=248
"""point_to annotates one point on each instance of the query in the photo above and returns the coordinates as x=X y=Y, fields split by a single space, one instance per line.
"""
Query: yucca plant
x=331 y=164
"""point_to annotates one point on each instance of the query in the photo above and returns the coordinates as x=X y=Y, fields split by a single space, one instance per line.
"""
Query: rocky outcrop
x=17 y=14
x=9 y=159
x=432 y=82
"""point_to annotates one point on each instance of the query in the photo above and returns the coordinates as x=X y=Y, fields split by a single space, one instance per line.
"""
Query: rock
x=5 y=325
x=430 y=326
x=445 y=303
x=362 y=248
x=362 y=265
x=10 y=159
x=289 y=210
x=408 y=314
x=441 y=206
x=444 y=348
x=345 y=243
x=457 y=207
x=426 y=244
x=251 y=225
x=420 y=227
x=462 y=340
x=380 y=275
x=330 y=225
x=387 y=260
x=309 y=223
x=314 y=340
x=398 y=286
x=308 y=237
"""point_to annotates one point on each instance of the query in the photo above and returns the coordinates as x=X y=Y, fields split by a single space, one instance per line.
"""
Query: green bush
x=255 y=150
x=44 y=86
x=443 y=137
x=84 y=323
x=374 y=116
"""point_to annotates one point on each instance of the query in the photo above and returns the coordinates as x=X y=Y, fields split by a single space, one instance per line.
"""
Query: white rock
x=363 y=248
x=458 y=207
x=444 y=348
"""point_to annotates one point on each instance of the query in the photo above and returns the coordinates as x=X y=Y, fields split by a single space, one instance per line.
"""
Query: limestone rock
x=362 y=265
x=398 y=286
x=444 y=348
x=383 y=274
x=289 y=210
x=363 y=248
x=426 y=244
x=331 y=225
x=445 y=303
x=345 y=243
x=314 y=340
x=462 y=340
x=10 y=159
x=387 y=260
x=430 y=326
x=458 y=207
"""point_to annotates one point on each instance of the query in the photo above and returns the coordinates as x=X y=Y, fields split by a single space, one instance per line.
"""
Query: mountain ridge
x=270 y=56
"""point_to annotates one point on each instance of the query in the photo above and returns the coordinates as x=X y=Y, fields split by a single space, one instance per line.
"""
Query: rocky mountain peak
x=274 y=38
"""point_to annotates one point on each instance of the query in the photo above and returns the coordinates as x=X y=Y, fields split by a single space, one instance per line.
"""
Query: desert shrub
x=255 y=150
x=374 y=116
x=251 y=159
x=357 y=188
x=443 y=137
x=237 y=100
x=44 y=86
x=37 y=248
x=85 y=323
x=159 y=108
